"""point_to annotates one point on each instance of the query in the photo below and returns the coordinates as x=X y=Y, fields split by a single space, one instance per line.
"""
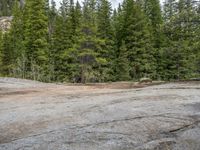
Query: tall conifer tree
x=36 y=27
x=153 y=12
x=122 y=71
x=1 y=47
x=7 y=55
x=17 y=38
x=105 y=33
x=138 y=40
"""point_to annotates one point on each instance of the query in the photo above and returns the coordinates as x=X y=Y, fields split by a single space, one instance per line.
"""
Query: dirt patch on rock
x=10 y=93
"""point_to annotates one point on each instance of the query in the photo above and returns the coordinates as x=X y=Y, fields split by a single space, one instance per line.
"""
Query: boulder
x=145 y=80
x=5 y=23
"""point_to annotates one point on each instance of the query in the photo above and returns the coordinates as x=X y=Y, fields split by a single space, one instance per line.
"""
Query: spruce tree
x=169 y=9
x=87 y=42
x=17 y=45
x=62 y=43
x=89 y=46
x=78 y=16
x=52 y=15
x=104 y=19
x=182 y=32
x=198 y=42
x=137 y=38
x=117 y=25
x=6 y=7
x=152 y=10
x=36 y=44
x=105 y=33
x=175 y=58
x=122 y=72
x=76 y=35
x=1 y=47
x=7 y=55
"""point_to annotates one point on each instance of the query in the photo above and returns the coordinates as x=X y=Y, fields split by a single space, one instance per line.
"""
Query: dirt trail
x=38 y=116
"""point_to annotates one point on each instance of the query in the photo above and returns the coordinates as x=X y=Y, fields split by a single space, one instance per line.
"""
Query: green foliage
x=176 y=66
x=138 y=41
x=62 y=43
x=36 y=45
x=7 y=55
x=153 y=11
x=182 y=33
x=169 y=9
x=17 y=47
x=89 y=49
x=122 y=72
x=92 y=43
x=1 y=48
x=105 y=33
x=6 y=7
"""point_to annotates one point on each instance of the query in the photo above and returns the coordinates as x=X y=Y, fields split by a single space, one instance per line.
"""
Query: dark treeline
x=90 y=42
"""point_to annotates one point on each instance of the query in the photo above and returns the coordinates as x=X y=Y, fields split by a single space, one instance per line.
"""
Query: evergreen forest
x=90 y=41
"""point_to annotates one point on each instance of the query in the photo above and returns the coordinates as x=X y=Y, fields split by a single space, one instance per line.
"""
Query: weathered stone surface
x=40 y=116
x=5 y=23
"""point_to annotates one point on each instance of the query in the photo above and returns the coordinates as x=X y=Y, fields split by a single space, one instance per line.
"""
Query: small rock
x=145 y=80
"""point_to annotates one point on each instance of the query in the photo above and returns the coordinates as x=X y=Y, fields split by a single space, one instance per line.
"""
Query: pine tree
x=114 y=46
x=89 y=46
x=17 y=37
x=152 y=10
x=105 y=33
x=72 y=18
x=76 y=35
x=182 y=32
x=63 y=43
x=169 y=9
x=36 y=39
x=198 y=42
x=175 y=57
x=52 y=15
x=104 y=19
x=7 y=55
x=122 y=72
x=137 y=38
x=78 y=15
x=1 y=47
x=6 y=7
x=117 y=25
x=87 y=42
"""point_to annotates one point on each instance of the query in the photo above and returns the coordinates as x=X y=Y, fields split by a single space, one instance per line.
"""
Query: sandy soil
x=38 y=116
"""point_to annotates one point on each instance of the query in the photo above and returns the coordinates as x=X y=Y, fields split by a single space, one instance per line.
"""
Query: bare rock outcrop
x=5 y=23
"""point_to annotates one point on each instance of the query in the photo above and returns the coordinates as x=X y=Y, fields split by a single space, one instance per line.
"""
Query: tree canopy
x=91 y=42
